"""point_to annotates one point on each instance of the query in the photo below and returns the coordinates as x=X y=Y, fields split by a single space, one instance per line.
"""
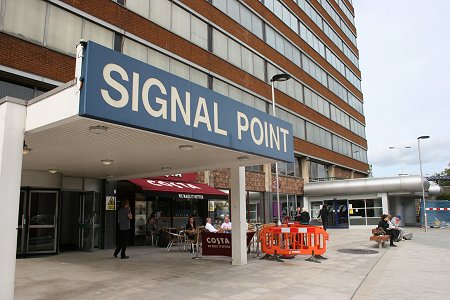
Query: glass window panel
x=158 y=60
x=181 y=22
x=160 y=12
x=294 y=23
x=261 y=105
x=64 y=30
x=298 y=91
x=375 y=212
x=357 y=203
x=235 y=93
x=220 y=4
x=220 y=87
x=291 y=88
x=277 y=9
x=374 y=202
x=178 y=68
x=248 y=99
x=199 y=32
x=246 y=17
x=141 y=7
x=257 y=26
x=279 y=43
x=270 y=36
x=135 y=50
x=198 y=77
x=234 y=53
x=233 y=10
x=220 y=44
x=33 y=11
x=296 y=57
x=247 y=60
x=258 y=67
x=98 y=34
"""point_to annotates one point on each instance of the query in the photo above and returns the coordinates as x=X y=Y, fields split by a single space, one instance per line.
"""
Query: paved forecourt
x=415 y=269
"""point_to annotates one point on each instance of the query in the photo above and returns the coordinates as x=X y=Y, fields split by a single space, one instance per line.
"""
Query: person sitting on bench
x=384 y=223
x=393 y=224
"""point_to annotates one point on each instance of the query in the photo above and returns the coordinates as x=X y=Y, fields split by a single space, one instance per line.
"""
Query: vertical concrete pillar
x=12 y=128
x=384 y=202
x=304 y=162
x=239 y=227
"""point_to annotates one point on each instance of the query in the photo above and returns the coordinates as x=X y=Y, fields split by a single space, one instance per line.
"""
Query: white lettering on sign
x=218 y=241
x=180 y=106
x=268 y=134
x=179 y=185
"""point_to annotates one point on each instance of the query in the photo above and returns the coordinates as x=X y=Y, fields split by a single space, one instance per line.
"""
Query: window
x=198 y=77
x=135 y=50
x=98 y=34
x=234 y=53
x=180 y=69
x=220 y=44
x=199 y=32
x=247 y=60
x=141 y=7
x=160 y=12
x=158 y=60
x=220 y=87
x=64 y=30
x=26 y=18
x=181 y=22
x=118 y=40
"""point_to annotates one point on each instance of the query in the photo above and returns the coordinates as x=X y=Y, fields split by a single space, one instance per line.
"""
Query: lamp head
x=280 y=77
x=422 y=137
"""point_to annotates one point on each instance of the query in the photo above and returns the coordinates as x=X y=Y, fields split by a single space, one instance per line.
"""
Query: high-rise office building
x=232 y=47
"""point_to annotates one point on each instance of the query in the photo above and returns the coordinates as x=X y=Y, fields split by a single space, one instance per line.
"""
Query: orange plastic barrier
x=293 y=239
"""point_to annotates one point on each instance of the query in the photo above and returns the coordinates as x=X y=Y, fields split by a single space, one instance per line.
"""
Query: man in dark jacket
x=323 y=213
x=123 y=217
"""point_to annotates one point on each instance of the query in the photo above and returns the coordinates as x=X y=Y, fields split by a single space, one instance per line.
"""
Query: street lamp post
x=401 y=155
x=421 y=178
x=277 y=77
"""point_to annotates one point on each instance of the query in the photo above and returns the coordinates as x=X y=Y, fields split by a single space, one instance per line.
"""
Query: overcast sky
x=404 y=48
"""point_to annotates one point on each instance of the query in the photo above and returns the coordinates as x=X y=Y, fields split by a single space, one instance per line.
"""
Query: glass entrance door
x=89 y=224
x=42 y=222
x=23 y=216
x=338 y=213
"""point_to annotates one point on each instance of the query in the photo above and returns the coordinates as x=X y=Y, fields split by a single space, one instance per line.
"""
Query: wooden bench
x=380 y=239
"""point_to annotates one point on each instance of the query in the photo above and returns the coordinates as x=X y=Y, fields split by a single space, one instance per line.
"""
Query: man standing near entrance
x=324 y=215
x=123 y=217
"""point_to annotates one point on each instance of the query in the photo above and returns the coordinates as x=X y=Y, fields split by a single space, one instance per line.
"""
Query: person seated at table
x=191 y=228
x=226 y=225
x=209 y=226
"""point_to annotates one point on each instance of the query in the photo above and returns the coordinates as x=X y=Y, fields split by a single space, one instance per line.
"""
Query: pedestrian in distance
x=323 y=214
x=123 y=218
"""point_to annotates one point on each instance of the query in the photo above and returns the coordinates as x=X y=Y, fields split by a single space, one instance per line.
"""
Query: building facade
x=232 y=47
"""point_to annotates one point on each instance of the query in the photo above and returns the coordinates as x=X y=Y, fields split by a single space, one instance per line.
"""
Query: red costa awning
x=182 y=188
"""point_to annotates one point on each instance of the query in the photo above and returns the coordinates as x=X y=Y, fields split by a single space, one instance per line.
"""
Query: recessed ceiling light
x=53 y=171
x=107 y=161
x=243 y=158
x=98 y=129
x=185 y=147
x=166 y=168
x=109 y=176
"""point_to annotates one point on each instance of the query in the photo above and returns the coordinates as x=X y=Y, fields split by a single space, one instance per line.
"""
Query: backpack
x=379 y=231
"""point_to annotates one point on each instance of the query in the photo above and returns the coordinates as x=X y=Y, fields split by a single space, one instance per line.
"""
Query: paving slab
x=419 y=268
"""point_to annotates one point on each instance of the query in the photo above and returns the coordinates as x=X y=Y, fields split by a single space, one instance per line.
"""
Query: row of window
x=317 y=18
x=346 y=11
x=58 y=18
x=334 y=15
x=236 y=10
x=308 y=36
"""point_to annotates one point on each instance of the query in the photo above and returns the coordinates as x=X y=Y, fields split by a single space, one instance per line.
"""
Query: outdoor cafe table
x=215 y=243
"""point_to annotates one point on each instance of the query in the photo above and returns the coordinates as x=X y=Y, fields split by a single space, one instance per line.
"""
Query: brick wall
x=342 y=173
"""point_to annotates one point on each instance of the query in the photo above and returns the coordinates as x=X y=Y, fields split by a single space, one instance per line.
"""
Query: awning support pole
x=12 y=128
x=239 y=222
